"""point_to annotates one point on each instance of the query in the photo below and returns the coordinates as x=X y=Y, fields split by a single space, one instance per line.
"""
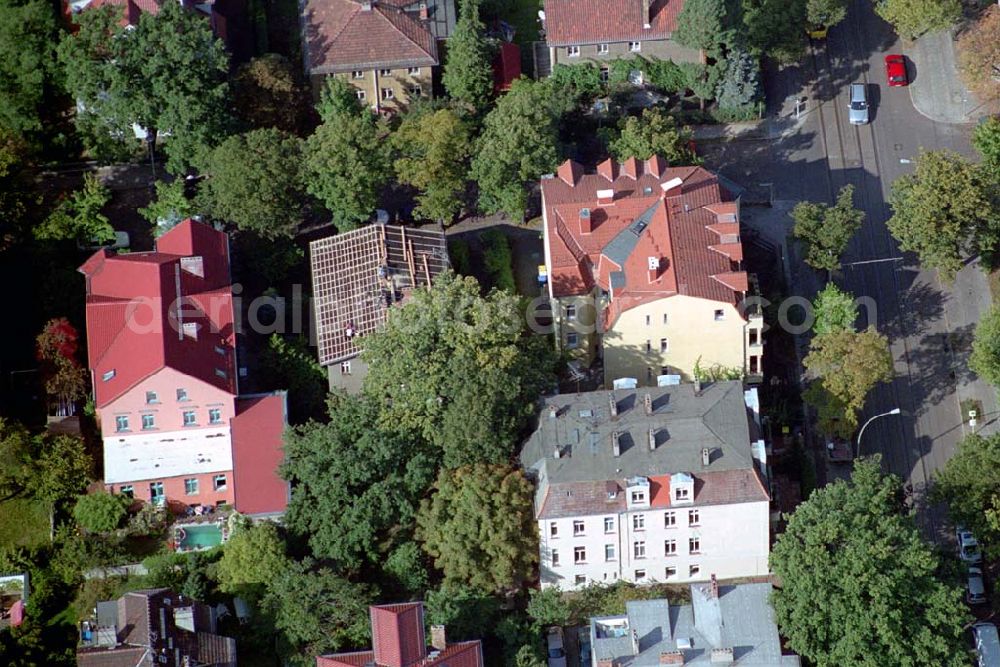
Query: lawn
x=23 y=522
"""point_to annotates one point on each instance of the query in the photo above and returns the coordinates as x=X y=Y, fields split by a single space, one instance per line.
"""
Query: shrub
x=100 y=512
x=499 y=260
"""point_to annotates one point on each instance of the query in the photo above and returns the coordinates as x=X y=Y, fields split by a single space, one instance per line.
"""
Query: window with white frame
x=156 y=493
x=638 y=522
x=189 y=418
x=571 y=312
x=127 y=490
x=649 y=345
x=415 y=91
x=357 y=74
x=682 y=493
x=555 y=558
x=573 y=51
x=580 y=579
x=603 y=49
x=579 y=554
x=670 y=547
x=640 y=575
x=553 y=529
x=219 y=482
x=148 y=422
x=605 y=74
x=638 y=497
x=345 y=367
x=669 y=519
x=360 y=94
x=413 y=71
x=572 y=341
x=121 y=423
x=182 y=394
x=609 y=552
x=720 y=315
x=191 y=486
x=635 y=47
x=694 y=545
x=664 y=345
x=151 y=397
x=693 y=518
x=694 y=570
x=670 y=572
x=214 y=416
x=639 y=549
x=385 y=72
x=578 y=528
x=388 y=93
x=609 y=524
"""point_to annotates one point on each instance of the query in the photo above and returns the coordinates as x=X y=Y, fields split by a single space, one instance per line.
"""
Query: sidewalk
x=936 y=87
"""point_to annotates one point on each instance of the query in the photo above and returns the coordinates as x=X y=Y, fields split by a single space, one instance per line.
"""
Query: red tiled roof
x=339 y=35
x=134 y=308
x=690 y=232
x=356 y=659
x=257 y=453
x=596 y=21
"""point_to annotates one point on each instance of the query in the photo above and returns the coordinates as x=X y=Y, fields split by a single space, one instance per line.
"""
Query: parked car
x=987 y=644
x=857 y=112
x=968 y=546
x=557 y=656
x=975 y=589
x=895 y=70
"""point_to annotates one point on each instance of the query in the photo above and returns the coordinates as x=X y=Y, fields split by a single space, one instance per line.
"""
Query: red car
x=895 y=70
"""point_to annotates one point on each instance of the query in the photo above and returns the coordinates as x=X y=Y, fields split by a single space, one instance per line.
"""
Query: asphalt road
x=929 y=324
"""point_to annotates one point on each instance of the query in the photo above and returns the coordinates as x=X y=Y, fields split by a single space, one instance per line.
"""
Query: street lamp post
x=894 y=411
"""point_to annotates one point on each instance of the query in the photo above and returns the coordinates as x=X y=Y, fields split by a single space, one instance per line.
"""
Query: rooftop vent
x=647 y=190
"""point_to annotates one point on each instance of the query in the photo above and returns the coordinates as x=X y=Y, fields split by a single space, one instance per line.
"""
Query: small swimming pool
x=198 y=537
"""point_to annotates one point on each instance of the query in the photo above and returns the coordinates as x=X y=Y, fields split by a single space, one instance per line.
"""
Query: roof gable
x=595 y=21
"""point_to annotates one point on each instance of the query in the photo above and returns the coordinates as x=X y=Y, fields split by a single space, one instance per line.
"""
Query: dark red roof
x=506 y=66
x=137 y=304
x=341 y=35
x=690 y=231
x=257 y=452
x=598 y=21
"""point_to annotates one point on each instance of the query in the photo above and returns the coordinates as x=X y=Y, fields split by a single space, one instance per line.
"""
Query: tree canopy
x=850 y=364
x=16 y=453
x=775 y=28
x=252 y=558
x=433 y=149
x=267 y=93
x=458 y=369
x=835 y=310
x=78 y=216
x=985 y=357
x=970 y=484
x=63 y=468
x=986 y=138
x=654 y=133
x=100 y=512
x=354 y=485
x=740 y=87
x=913 y=18
x=942 y=211
x=826 y=13
x=851 y=546
x=479 y=527
x=167 y=75
x=826 y=230
x=468 y=65
x=56 y=348
x=979 y=55
x=254 y=181
x=170 y=206
x=519 y=143
x=28 y=67
x=701 y=24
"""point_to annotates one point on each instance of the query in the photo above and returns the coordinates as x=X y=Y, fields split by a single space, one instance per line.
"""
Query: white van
x=987 y=644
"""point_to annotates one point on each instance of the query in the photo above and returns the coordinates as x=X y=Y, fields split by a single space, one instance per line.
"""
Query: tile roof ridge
x=352 y=12
x=402 y=16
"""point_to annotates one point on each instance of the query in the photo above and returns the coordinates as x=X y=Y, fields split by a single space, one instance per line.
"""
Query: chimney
x=553 y=412
x=613 y=404
x=713 y=588
x=697 y=385
x=647 y=402
x=557 y=454
x=652 y=439
x=647 y=14
x=672 y=658
x=706 y=457
x=423 y=11
x=722 y=656
x=586 y=225
x=616 y=447
x=653 y=264
x=439 y=640
x=635 y=642
x=606 y=197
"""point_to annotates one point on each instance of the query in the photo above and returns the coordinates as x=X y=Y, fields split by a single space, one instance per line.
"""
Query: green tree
x=849 y=364
x=986 y=138
x=252 y=558
x=581 y=81
x=833 y=417
x=167 y=74
x=458 y=369
x=775 y=28
x=78 y=216
x=467 y=612
x=518 y=144
x=170 y=207
x=479 y=527
x=63 y=469
x=16 y=464
x=290 y=364
x=548 y=606
x=498 y=260
x=338 y=98
x=701 y=25
x=319 y=612
x=406 y=566
x=434 y=148
x=913 y=18
x=468 y=65
x=654 y=133
x=826 y=230
x=825 y=13
x=267 y=93
x=703 y=79
x=354 y=485
x=28 y=67
x=942 y=211
x=852 y=547
x=970 y=484
x=529 y=656
x=985 y=357
x=254 y=181
x=347 y=164
x=100 y=512
x=15 y=186
x=835 y=310
x=740 y=88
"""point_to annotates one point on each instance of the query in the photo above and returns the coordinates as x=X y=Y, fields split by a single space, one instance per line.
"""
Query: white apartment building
x=658 y=484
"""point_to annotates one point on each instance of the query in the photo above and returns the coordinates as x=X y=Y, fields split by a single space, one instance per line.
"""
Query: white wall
x=734 y=542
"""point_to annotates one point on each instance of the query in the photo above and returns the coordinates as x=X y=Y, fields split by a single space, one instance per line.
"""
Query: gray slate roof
x=684 y=424
x=741 y=618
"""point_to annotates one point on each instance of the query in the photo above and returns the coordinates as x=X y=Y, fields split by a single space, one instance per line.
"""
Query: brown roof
x=123 y=656
x=710 y=488
x=358 y=275
x=664 y=231
x=342 y=35
x=597 y=21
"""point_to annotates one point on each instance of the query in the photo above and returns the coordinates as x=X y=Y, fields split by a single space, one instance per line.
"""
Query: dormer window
x=109 y=375
x=638 y=492
x=682 y=488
